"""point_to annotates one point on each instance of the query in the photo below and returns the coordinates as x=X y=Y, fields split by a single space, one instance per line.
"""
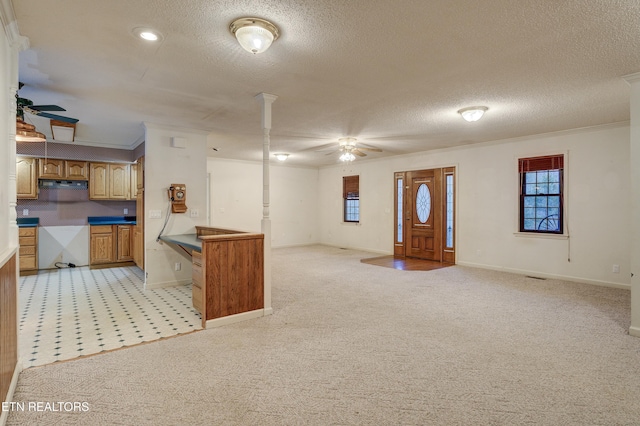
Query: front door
x=423 y=215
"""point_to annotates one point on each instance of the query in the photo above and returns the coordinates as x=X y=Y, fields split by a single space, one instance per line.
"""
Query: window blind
x=534 y=164
x=351 y=187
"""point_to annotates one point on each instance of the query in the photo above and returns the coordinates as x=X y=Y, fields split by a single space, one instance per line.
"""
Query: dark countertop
x=28 y=222
x=111 y=220
x=190 y=241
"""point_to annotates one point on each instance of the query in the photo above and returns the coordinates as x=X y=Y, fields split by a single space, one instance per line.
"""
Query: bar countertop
x=190 y=241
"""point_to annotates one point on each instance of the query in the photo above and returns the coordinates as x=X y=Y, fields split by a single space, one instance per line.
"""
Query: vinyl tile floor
x=72 y=312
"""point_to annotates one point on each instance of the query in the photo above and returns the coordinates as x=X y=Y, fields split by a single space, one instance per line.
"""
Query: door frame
x=447 y=205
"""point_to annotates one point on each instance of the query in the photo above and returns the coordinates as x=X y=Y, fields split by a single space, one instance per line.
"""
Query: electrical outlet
x=616 y=269
x=155 y=214
x=178 y=266
x=25 y=212
x=126 y=211
x=195 y=213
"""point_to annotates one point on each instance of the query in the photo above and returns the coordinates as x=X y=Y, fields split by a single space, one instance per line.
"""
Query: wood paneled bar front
x=228 y=273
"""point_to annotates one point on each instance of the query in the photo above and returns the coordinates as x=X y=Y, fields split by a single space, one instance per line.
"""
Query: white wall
x=634 y=81
x=598 y=207
x=236 y=200
x=165 y=165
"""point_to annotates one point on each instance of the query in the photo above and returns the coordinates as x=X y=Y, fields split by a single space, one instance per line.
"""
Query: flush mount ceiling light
x=63 y=131
x=473 y=113
x=147 y=34
x=281 y=156
x=26 y=132
x=255 y=35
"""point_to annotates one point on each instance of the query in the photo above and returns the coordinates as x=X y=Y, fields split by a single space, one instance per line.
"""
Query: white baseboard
x=165 y=284
x=545 y=275
x=634 y=331
x=268 y=311
x=230 y=319
x=12 y=388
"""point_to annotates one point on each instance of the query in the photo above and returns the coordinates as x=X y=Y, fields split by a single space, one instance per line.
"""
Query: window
x=351 y=196
x=541 y=194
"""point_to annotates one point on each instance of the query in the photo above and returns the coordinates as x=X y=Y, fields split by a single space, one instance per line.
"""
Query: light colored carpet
x=351 y=343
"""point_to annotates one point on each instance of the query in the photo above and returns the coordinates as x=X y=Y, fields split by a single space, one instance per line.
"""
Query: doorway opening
x=425 y=215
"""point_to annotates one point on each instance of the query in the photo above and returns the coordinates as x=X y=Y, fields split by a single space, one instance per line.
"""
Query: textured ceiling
x=390 y=73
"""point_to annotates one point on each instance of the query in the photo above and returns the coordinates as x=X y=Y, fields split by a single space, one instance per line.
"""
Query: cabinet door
x=125 y=252
x=133 y=181
x=27 y=184
x=119 y=181
x=50 y=169
x=140 y=173
x=102 y=248
x=138 y=248
x=98 y=181
x=76 y=170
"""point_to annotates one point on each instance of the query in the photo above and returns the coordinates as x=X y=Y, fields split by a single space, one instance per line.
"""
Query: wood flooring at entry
x=405 y=263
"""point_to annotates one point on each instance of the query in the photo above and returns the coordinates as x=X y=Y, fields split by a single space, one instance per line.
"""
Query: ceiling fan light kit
x=347 y=156
x=255 y=35
x=474 y=113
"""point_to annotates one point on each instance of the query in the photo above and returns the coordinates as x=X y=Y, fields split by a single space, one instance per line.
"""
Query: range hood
x=63 y=184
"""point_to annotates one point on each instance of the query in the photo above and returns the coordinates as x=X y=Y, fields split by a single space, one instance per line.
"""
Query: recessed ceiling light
x=147 y=34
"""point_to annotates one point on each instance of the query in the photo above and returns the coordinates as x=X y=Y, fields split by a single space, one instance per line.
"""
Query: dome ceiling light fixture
x=281 y=156
x=255 y=35
x=474 y=113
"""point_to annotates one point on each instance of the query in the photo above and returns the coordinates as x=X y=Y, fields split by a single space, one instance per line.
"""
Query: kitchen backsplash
x=70 y=207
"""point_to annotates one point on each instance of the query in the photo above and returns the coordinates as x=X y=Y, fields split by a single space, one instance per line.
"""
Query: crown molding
x=10 y=26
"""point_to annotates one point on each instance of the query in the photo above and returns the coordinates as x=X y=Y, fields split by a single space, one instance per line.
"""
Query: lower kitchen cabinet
x=28 y=238
x=111 y=245
x=124 y=252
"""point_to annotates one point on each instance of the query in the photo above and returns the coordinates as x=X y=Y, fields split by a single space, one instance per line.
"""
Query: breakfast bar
x=228 y=273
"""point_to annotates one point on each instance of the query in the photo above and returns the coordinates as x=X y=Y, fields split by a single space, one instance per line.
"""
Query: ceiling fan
x=27 y=132
x=26 y=105
x=349 y=149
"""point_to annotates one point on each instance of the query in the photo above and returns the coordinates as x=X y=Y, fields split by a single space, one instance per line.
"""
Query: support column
x=634 y=155
x=266 y=100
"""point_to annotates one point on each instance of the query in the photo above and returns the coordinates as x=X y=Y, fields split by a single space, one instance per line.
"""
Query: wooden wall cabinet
x=26 y=178
x=62 y=169
x=76 y=170
x=49 y=168
x=109 y=181
x=28 y=240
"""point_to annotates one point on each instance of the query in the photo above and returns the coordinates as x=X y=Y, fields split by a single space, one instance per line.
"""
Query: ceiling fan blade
x=333 y=152
x=358 y=152
x=58 y=117
x=370 y=149
x=47 y=108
